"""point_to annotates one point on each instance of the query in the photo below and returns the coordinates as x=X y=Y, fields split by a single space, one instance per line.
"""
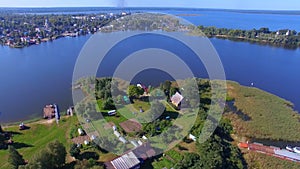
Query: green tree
x=134 y=91
x=52 y=157
x=15 y=159
x=74 y=151
x=58 y=152
x=190 y=160
x=167 y=85
x=108 y=104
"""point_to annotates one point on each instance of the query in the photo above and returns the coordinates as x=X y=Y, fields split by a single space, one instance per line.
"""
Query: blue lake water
x=42 y=74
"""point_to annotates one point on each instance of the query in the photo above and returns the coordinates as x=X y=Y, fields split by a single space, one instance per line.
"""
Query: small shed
x=192 y=137
x=80 y=132
x=86 y=142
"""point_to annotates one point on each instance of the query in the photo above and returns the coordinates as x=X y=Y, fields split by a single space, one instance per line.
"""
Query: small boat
x=289 y=148
x=296 y=150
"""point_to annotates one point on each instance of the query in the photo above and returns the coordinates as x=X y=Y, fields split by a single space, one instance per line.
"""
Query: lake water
x=42 y=74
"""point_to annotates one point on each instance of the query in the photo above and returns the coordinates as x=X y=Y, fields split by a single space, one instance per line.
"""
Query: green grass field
x=271 y=117
x=31 y=141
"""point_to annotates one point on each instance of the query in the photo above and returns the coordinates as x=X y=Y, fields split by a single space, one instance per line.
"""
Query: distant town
x=21 y=30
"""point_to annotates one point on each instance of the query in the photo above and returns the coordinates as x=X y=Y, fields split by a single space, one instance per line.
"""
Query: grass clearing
x=29 y=142
x=271 y=117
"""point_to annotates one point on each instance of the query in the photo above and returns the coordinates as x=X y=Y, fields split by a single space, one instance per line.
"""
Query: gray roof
x=126 y=161
x=288 y=154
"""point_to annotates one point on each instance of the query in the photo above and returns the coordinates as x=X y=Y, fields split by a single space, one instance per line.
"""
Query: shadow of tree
x=88 y=155
x=18 y=145
x=14 y=133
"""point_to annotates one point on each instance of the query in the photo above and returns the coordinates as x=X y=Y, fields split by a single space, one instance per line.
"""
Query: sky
x=217 y=4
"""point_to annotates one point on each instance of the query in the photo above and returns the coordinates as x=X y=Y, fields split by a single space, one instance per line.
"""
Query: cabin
x=176 y=99
x=112 y=112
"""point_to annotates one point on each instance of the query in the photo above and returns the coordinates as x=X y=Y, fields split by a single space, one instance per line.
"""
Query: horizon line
x=242 y=9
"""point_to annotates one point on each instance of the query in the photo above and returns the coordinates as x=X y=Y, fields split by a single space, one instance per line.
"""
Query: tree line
x=282 y=38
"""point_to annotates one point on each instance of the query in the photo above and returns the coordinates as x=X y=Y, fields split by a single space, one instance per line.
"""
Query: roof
x=126 y=161
x=176 y=98
x=144 y=151
x=288 y=154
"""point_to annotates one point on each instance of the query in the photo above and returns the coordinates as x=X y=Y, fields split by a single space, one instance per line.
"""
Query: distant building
x=176 y=99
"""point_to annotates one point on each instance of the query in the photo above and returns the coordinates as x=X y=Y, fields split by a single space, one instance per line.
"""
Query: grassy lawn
x=139 y=103
x=31 y=141
x=271 y=117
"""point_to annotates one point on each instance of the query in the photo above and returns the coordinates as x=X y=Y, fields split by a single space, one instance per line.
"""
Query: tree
x=167 y=85
x=53 y=156
x=108 y=104
x=58 y=153
x=134 y=91
x=190 y=160
x=74 y=150
x=15 y=159
x=1 y=130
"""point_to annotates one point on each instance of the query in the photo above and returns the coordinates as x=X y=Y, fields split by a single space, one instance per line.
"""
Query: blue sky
x=224 y=4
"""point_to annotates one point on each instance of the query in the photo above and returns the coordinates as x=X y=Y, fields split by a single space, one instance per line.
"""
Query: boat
x=289 y=148
x=296 y=150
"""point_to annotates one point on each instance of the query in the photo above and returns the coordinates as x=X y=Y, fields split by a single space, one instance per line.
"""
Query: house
x=112 y=113
x=132 y=159
x=176 y=99
x=49 y=111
